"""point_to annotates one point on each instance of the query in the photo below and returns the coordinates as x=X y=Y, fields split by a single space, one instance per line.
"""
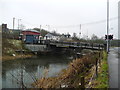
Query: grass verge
x=102 y=79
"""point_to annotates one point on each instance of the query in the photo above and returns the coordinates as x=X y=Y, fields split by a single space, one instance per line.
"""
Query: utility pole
x=13 y=23
x=40 y=34
x=80 y=30
x=40 y=28
x=19 y=28
x=18 y=23
x=107 y=26
x=13 y=26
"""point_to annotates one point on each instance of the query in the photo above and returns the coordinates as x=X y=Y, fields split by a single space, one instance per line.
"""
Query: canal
x=32 y=69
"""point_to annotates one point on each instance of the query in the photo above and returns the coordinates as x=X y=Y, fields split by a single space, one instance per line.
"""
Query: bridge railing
x=73 y=44
x=79 y=44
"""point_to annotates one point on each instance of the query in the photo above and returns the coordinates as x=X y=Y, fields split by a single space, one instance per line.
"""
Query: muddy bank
x=7 y=57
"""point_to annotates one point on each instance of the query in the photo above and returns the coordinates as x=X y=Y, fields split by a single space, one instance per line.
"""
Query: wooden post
x=100 y=58
x=99 y=46
x=96 y=70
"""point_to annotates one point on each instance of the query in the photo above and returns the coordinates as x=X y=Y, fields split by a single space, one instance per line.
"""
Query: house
x=52 y=36
x=30 y=32
x=65 y=37
x=30 y=36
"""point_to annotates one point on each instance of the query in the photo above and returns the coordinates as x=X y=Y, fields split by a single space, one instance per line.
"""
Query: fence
x=95 y=73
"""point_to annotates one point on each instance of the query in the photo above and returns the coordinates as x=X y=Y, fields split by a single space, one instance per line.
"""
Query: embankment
x=9 y=47
x=77 y=75
x=103 y=78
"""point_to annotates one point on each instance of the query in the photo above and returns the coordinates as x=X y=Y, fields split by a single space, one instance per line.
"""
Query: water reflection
x=31 y=69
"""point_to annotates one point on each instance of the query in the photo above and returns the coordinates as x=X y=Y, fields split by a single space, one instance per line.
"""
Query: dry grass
x=69 y=77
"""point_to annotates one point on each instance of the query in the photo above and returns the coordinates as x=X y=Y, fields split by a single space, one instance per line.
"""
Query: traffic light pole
x=107 y=26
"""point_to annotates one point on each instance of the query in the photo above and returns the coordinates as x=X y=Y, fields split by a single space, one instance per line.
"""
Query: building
x=30 y=32
x=52 y=36
x=5 y=31
x=4 y=28
x=30 y=36
x=65 y=37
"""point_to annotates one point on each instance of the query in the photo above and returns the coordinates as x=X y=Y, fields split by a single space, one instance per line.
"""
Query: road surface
x=113 y=67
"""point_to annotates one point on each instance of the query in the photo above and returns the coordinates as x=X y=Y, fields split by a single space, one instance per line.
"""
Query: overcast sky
x=64 y=16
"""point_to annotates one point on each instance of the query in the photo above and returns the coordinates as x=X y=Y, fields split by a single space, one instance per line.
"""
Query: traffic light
x=110 y=37
x=105 y=37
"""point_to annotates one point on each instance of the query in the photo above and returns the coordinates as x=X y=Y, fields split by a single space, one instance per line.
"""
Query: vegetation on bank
x=83 y=67
x=71 y=77
x=102 y=79
x=9 y=47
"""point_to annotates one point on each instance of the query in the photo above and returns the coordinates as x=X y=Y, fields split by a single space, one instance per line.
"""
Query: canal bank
x=78 y=74
x=10 y=50
x=49 y=69
x=34 y=67
x=102 y=81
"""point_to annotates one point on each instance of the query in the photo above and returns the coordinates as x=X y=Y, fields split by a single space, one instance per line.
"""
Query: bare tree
x=94 y=37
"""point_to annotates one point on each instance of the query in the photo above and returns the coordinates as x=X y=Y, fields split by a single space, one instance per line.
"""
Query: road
x=113 y=67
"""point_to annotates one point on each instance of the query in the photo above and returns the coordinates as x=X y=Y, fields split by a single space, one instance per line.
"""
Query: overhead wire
x=77 y=25
x=85 y=24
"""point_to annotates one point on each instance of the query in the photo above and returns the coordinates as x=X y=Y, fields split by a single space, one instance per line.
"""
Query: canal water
x=32 y=69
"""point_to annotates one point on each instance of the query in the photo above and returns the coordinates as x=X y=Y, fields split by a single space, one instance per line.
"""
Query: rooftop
x=31 y=30
x=55 y=34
